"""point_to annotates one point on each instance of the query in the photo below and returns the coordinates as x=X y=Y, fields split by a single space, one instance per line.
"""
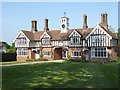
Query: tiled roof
x=29 y=34
x=33 y=36
x=111 y=33
x=56 y=35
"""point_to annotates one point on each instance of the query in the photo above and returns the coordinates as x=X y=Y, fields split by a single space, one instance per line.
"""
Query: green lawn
x=15 y=62
x=61 y=75
x=11 y=62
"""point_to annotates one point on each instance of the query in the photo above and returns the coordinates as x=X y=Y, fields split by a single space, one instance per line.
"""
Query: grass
x=19 y=62
x=61 y=75
x=16 y=62
x=11 y=62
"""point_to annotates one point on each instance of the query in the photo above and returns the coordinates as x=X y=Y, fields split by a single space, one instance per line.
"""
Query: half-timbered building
x=97 y=43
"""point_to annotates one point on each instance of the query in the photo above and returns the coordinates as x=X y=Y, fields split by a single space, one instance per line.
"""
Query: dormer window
x=45 y=41
x=75 y=40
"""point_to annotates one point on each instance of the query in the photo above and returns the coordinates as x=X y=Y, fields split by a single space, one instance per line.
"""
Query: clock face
x=63 y=26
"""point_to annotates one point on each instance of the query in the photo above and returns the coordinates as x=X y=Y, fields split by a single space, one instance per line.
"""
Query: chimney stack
x=104 y=21
x=34 y=25
x=85 y=21
x=46 y=25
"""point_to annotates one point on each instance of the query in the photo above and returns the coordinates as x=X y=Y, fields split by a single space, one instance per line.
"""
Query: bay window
x=100 y=52
x=22 y=51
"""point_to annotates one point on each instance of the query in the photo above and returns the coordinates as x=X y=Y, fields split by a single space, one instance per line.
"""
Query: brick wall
x=46 y=56
x=72 y=49
x=21 y=58
x=100 y=59
x=31 y=54
x=112 y=53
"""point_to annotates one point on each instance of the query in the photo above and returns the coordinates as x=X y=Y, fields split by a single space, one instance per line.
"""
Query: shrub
x=11 y=51
x=77 y=60
x=116 y=59
x=41 y=55
x=29 y=60
x=69 y=57
x=42 y=59
x=45 y=59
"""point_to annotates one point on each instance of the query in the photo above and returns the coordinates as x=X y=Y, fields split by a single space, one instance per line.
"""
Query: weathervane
x=64 y=14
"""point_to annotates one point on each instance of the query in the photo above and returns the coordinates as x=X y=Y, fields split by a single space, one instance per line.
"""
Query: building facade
x=97 y=43
x=2 y=47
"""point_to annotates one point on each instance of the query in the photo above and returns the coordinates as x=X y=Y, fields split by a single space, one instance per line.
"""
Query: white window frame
x=22 y=41
x=77 y=40
x=72 y=55
x=100 y=51
x=22 y=52
x=45 y=41
x=93 y=39
x=45 y=53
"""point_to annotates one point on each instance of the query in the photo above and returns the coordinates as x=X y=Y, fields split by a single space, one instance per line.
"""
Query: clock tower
x=64 y=24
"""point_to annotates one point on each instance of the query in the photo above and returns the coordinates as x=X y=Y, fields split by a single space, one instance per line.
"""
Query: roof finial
x=64 y=14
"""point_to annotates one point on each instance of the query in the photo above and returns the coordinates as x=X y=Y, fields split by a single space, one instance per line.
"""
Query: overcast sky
x=17 y=16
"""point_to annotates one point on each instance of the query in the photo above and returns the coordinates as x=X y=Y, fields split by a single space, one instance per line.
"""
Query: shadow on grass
x=61 y=75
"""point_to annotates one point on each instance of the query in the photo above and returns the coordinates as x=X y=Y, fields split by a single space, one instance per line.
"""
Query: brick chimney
x=85 y=21
x=104 y=20
x=34 y=25
x=46 y=25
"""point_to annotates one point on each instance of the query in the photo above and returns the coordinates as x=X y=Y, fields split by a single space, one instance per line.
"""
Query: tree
x=119 y=33
x=118 y=42
x=111 y=29
x=6 y=45
x=10 y=49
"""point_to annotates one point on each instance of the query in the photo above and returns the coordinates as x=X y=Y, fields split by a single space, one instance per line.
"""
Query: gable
x=20 y=35
x=45 y=35
x=74 y=33
x=98 y=30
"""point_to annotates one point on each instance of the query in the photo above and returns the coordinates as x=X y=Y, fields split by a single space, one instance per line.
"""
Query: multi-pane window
x=47 y=53
x=22 y=51
x=98 y=39
x=76 y=54
x=75 y=40
x=100 y=52
x=45 y=41
x=22 y=41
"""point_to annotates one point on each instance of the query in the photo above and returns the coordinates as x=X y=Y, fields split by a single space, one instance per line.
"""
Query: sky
x=17 y=16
